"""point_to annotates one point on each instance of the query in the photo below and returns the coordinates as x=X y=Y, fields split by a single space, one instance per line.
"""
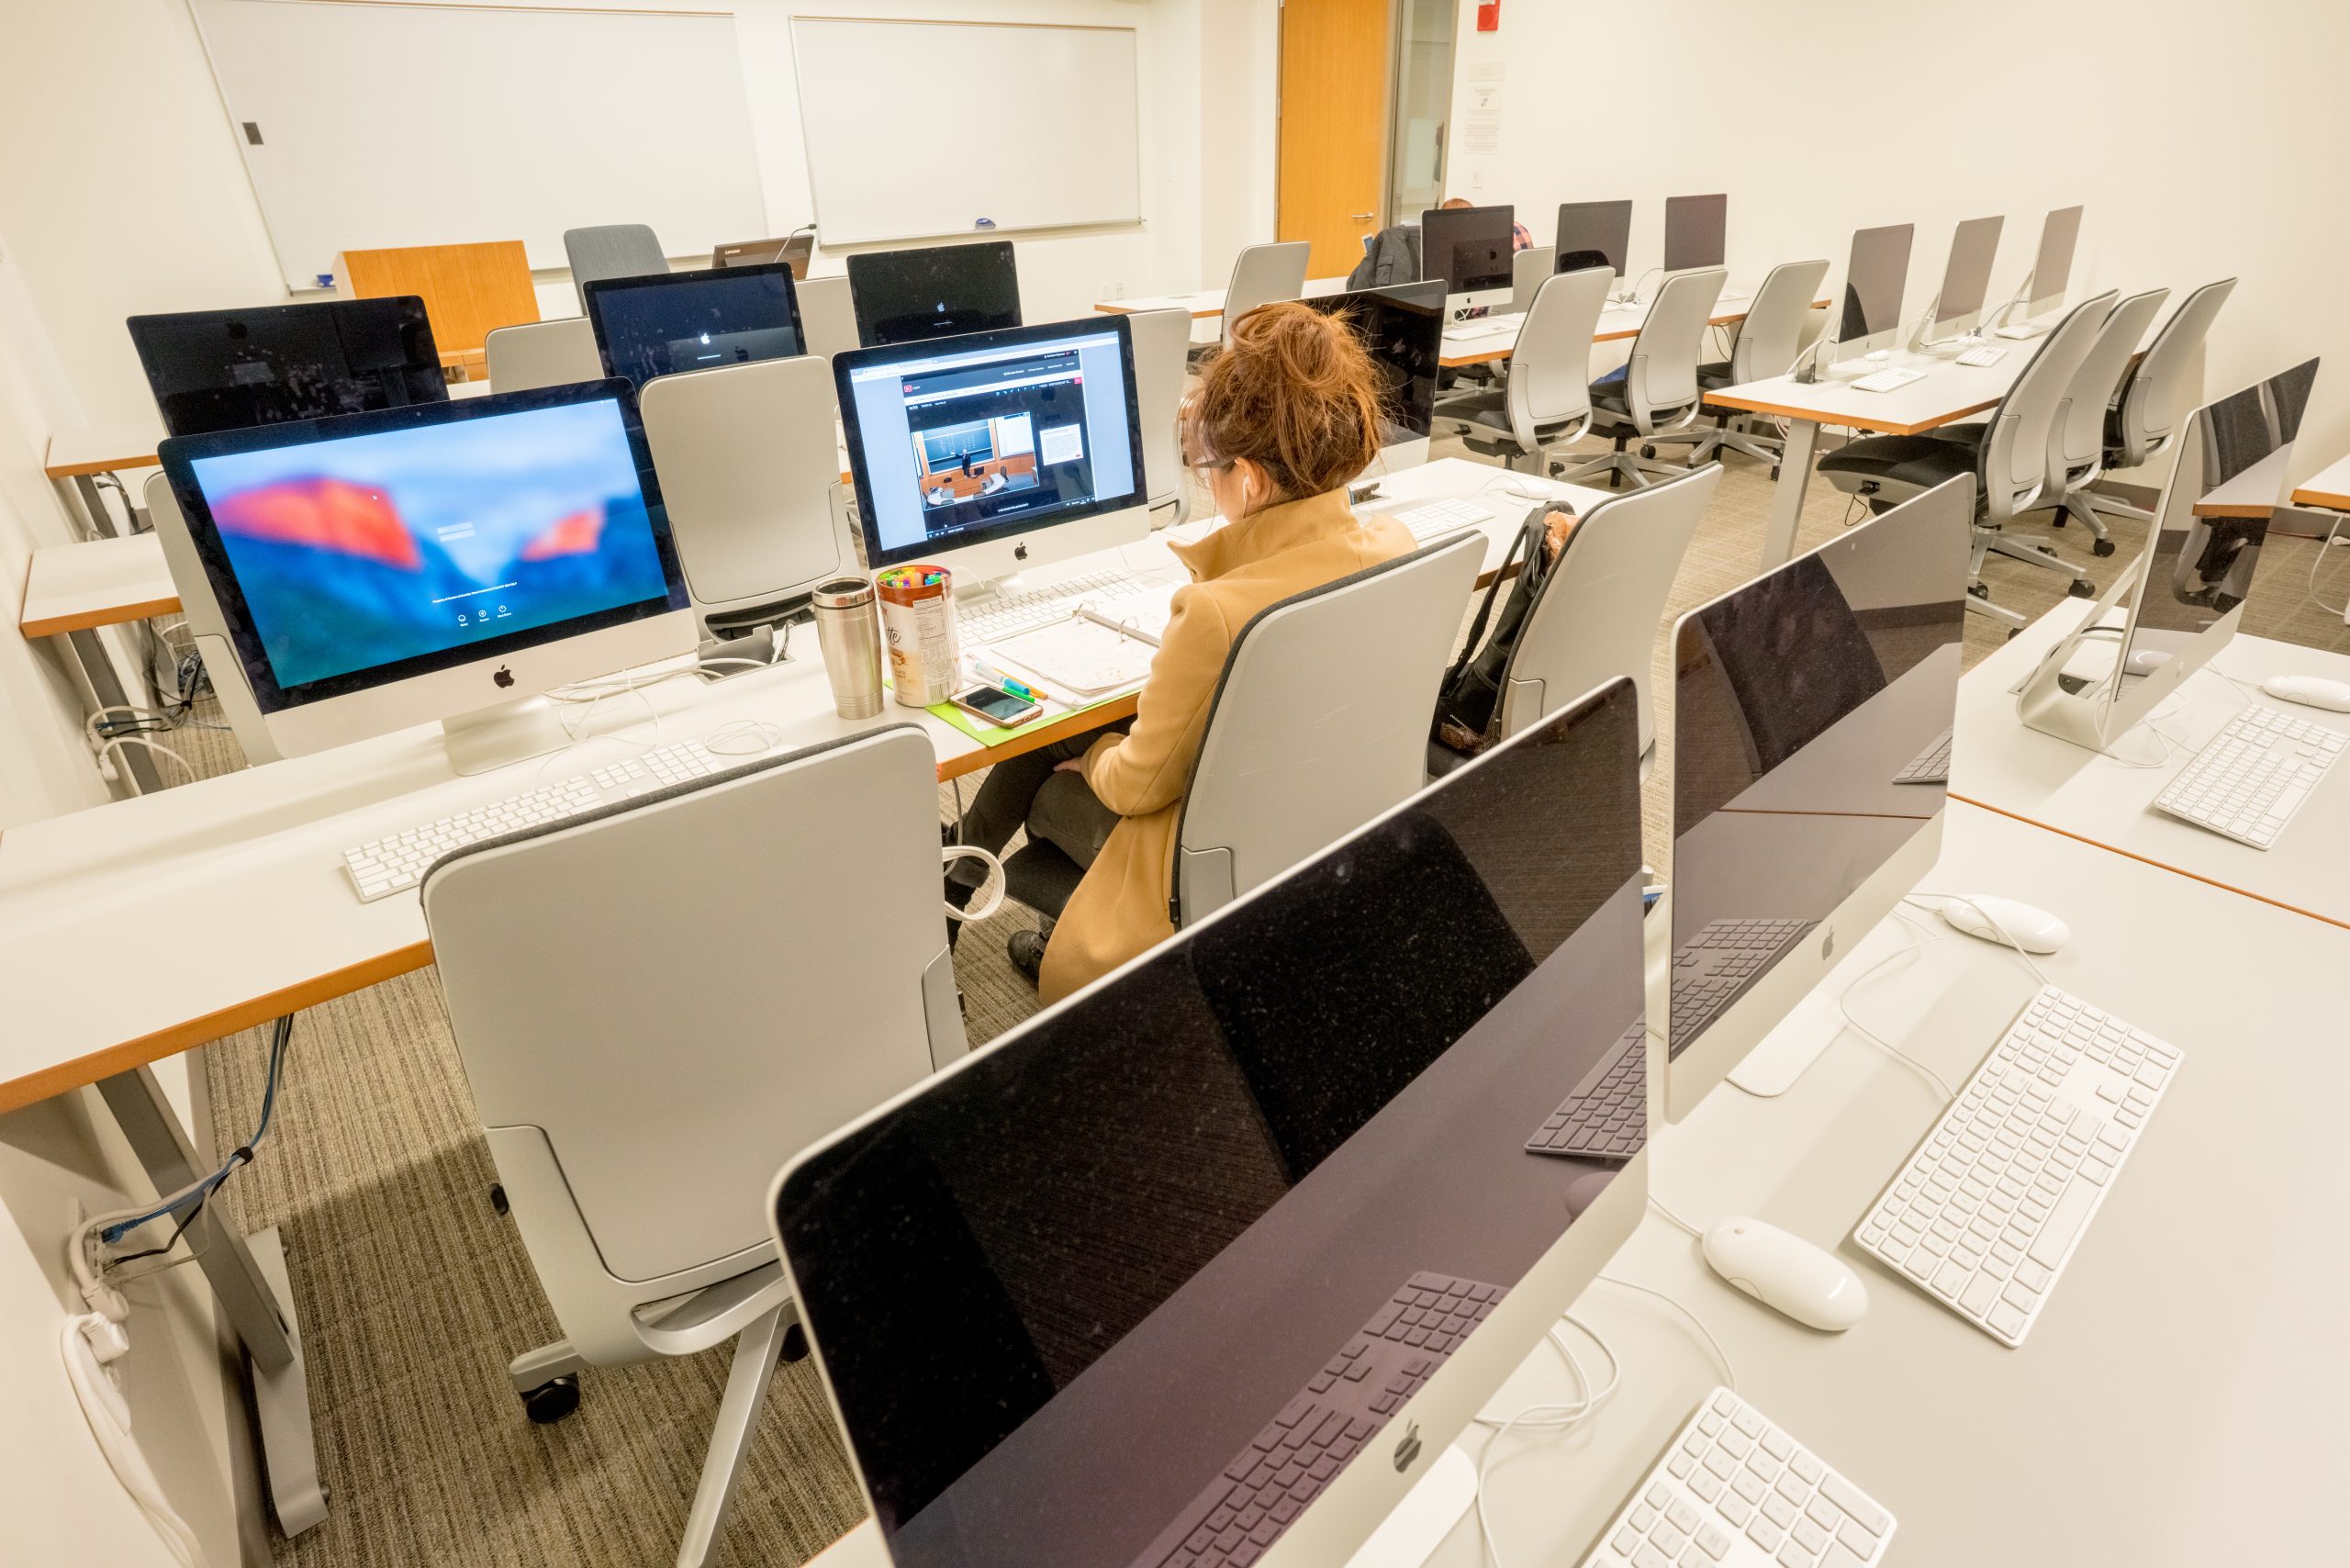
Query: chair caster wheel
x=552 y=1400
x=498 y=1196
x=1980 y=590
x=2013 y=633
x=2102 y=547
x=795 y=1343
x=1774 y=474
x=1648 y=452
x=2082 y=588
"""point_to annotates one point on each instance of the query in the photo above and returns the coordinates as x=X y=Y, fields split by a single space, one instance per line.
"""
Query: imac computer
x=665 y=323
x=1403 y=326
x=792 y=250
x=1470 y=249
x=1593 y=234
x=1066 y=1292
x=2052 y=273
x=1966 y=278
x=1869 y=319
x=996 y=452
x=448 y=562
x=936 y=291
x=2191 y=579
x=1696 y=231
x=1811 y=710
x=224 y=370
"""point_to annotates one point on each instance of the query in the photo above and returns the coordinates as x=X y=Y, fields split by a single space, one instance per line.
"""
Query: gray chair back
x=1549 y=366
x=2014 y=462
x=1162 y=342
x=827 y=315
x=1528 y=271
x=542 y=353
x=1771 y=334
x=1297 y=755
x=1263 y=273
x=1597 y=616
x=612 y=250
x=2076 y=439
x=2165 y=385
x=1660 y=379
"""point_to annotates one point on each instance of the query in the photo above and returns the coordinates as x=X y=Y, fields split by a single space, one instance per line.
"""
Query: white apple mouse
x=2309 y=689
x=2145 y=661
x=1786 y=1273
x=2035 y=929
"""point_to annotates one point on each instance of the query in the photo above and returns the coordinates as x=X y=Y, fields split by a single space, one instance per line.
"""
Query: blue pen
x=1018 y=689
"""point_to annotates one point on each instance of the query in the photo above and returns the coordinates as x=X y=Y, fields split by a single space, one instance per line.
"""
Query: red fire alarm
x=1489 y=16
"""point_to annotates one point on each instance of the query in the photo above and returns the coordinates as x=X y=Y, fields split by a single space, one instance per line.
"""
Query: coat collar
x=1264 y=534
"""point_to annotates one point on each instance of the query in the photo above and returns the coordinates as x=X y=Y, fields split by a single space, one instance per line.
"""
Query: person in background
x=1519 y=240
x=1282 y=418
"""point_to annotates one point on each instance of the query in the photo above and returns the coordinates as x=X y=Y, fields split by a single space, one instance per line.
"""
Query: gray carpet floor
x=414 y=1294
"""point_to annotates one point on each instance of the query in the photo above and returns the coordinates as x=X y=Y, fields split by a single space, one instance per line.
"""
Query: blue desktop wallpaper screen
x=361 y=552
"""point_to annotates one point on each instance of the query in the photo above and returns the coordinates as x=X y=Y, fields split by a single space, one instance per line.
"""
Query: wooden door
x=1332 y=127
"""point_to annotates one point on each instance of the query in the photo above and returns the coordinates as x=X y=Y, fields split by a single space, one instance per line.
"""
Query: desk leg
x=101 y=689
x=249 y=1284
x=101 y=520
x=1787 y=498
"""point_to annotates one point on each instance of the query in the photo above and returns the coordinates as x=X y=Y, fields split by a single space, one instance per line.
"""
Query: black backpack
x=1468 y=701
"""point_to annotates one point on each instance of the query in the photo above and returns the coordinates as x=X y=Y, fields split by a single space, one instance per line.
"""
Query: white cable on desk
x=1555 y=1415
x=2337 y=611
x=1984 y=916
x=114 y=741
x=1729 y=1371
x=1852 y=1022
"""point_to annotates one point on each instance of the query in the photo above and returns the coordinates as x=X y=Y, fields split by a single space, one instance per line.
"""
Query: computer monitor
x=1469 y=248
x=666 y=323
x=1801 y=702
x=1966 y=278
x=937 y=291
x=446 y=562
x=224 y=370
x=1696 y=231
x=2052 y=267
x=1059 y=1289
x=1593 y=234
x=1873 y=281
x=2187 y=590
x=792 y=250
x=1049 y=409
x=1403 y=326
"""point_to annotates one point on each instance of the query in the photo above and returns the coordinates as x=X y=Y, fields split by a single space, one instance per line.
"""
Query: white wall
x=2197 y=136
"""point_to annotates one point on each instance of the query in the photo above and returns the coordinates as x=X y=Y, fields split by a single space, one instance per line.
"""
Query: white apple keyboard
x=1889 y=380
x=2253 y=777
x=1984 y=357
x=1437 y=519
x=1733 y=1489
x=1984 y=1214
x=393 y=864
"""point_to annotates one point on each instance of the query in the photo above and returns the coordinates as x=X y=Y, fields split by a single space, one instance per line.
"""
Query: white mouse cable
x=1555 y=1415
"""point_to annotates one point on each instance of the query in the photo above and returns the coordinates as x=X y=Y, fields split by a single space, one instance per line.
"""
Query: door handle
x=1362 y=217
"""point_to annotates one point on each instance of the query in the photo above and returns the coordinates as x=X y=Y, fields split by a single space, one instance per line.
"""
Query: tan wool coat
x=1120 y=909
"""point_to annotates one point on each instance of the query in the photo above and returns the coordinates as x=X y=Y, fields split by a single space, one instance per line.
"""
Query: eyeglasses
x=1206 y=465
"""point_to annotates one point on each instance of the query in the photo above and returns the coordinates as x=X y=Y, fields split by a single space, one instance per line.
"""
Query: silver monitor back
x=1966 y=276
x=1870 y=316
x=2052 y=268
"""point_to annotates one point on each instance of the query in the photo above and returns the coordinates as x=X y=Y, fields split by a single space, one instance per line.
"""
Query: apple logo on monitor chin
x=1408 y=1450
x=1020 y=551
x=502 y=677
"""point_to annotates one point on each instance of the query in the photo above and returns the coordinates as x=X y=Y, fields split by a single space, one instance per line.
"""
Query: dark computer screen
x=1593 y=234
x=938 y=291
x=667 y=322
x=351 y=551
x=223 y=370
x=1469 y=248
x=1696 y=231
x=1798 y=702
x=1403 y=326
x=1967 y=275
x=1873 y=281
x=1058 y=1292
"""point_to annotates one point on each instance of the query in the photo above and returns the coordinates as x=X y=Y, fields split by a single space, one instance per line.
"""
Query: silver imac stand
x=505 y=731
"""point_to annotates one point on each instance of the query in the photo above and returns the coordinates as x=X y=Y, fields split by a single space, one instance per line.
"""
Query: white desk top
x=2329 y=489
x=95 y=582
x=1489 y=338
x=1949 y=392
x=1204 y=302
x=2001 y=764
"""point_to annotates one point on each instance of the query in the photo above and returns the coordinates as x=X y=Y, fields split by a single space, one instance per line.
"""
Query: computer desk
x=1464 y=344
x=2329 y=489
x=1204 y=303
x=2003 y=766
x=90 y=583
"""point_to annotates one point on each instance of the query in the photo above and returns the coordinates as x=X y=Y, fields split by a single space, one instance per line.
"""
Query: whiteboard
x=916 y=129
x=442 y=125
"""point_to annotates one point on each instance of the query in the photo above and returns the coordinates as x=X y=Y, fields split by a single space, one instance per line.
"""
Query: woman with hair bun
x=1282 y=421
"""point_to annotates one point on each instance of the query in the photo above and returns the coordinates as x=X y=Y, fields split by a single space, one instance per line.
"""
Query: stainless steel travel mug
x=848 y=634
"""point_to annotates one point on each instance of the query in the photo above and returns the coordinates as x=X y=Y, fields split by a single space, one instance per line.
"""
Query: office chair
x=207 y=627
x=1320 y=723
x=2007 y=455
x=1162 y=344
x=827 y=315
x=1765 y=344
x=1656 y=391
x=1528 y=271
x=612 y=250
x=2076 y=440
x=2156 y=393
x=1261 y=275
x=1545 y=400
x=1596 y=616
x=543 y=354
x=659 y=1003
x=750 y=473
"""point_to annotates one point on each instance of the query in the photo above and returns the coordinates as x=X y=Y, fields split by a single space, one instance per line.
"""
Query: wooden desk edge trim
x=2157 y=865
x=90 y=620
x=1813 y=416
x=2326 y=499
x=1068 y=724
x=95 y=465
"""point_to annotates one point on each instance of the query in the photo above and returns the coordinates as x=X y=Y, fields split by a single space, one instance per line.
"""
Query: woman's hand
x=1556 y=526
x=1072 y=765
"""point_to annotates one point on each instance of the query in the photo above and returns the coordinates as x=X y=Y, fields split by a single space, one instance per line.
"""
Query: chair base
x=1619 y=466
x=1707 y=442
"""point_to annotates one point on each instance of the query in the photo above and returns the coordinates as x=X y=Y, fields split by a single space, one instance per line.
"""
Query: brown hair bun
x=1295 y=393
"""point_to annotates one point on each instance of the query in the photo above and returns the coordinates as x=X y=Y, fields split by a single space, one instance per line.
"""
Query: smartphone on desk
x=998 y=706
